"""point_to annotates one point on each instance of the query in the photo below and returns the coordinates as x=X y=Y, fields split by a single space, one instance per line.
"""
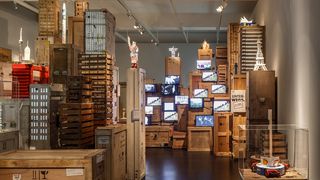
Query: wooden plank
x=5 y=55
x=205 y=54
x=200 y=139
x=238 y=82
x=237 y=133
x=221 y=134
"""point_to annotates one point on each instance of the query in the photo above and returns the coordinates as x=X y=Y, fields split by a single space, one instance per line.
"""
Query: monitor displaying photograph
x=203 y=64
x=200 y=93
x=204 y=120
x=147 y=120
x=170 y=116
x=153 y=101
x=169 y=89
x=209 y=76
x=172 y=80
x=221 y=105
x=168 y=106
x=148 y=110
x=218 y=89
x=196 y=103
x=150 y=88
x=179 y=100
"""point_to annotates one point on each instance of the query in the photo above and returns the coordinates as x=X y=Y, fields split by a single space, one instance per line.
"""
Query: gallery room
x=159 y=89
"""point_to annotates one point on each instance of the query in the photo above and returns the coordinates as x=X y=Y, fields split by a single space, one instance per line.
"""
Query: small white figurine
x=20 y=46
x=259 y=58
x=205 y=45
x=134 y=50
x=27 y=52
x=173 y=51
x=245 y=22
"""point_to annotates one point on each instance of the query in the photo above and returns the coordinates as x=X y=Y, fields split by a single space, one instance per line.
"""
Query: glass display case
x=286 y=158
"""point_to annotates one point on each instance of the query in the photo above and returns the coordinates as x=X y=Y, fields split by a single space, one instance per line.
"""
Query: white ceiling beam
x=121 y=37
x=26 y=5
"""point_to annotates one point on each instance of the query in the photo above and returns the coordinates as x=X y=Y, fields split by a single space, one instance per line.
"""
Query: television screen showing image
x=172 y=80
x=203 y=64
x=153 y=101
x=147 y=120
x=209 y=76
x=196 y=103
x=148 y=109
x=181 y=100
x=168 y=106
x=200 y=93
x=218 y=89
x=204 y=120
x=151 y=88
x=221 y=105
x=170 y=116
x=169 y=89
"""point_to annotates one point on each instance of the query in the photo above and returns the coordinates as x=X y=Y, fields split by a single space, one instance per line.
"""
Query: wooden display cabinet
x=222 y=134
x=200 y=138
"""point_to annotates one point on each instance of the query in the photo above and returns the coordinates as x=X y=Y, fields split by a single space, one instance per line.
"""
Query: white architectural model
x=259 y=59
x=245 y=22
x=20 y=45
x=27 y=52
x=134 y=50
x=64 y=23
x=173 y=51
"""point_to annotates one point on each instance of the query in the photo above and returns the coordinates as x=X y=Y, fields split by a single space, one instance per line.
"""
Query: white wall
x=10 y=22
x=292 y=49
x=152 y=59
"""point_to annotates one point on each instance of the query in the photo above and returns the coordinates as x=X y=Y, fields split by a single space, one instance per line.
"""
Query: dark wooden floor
x=168 y=164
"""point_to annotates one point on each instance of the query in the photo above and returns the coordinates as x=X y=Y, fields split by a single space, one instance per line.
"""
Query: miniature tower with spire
x=259 y=59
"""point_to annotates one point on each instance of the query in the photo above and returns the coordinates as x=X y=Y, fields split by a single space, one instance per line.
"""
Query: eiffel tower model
x=259 y=59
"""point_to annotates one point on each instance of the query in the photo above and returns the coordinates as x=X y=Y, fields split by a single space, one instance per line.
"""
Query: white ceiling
x=172 y=21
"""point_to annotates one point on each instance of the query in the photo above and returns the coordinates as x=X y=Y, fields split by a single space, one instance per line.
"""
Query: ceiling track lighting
x=222 y=6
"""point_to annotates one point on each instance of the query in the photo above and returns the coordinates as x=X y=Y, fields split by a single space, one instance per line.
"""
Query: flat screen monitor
x=203 y=64
x=147 y=120
x=209 y=76
x=218 y=89
x=221 y=105
x=169 y=89
x=200 y=93
x=153 y=101
x=181 y=100
x=168 y=106
x=172 y=80
x=150 y=88
x=170 y=116
x=148 y=110
x=196 y=103
x=204 y=120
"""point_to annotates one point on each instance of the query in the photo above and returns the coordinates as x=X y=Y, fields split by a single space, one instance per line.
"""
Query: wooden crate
x=207 y=110
x=222 y=134
x=9 y=141
x=238 y=149
x=42 y=50
x=184 y=91
x=173 y=66
x=76 y=32
x=158 y=136
x=261 y=96
x=237 y=132
x=113 y=138
x=234 y=47
x=54 y=164
x=63 y=62
x=80 y=7
x=222 y=74
x=79 y=89
x=5 y=55
x=48 y=17
x=182 y=117
x=199 y=138
x=179 y=140
x=238 y=82
x=205 y=54
x=221 y=52
x=156 y=116
x=195 y=77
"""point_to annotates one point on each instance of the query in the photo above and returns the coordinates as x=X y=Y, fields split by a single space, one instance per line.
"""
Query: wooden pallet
x=222 y=74
x=222 y=134
x=279 y=144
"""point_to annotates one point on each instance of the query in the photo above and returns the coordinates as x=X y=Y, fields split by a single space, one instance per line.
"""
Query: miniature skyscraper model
x=136 y=156
x=173 y=51
x=20 y=46
x=259 y=59
x=134 y=50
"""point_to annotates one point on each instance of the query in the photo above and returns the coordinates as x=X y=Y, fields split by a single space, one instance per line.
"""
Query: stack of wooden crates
x=76 y=116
